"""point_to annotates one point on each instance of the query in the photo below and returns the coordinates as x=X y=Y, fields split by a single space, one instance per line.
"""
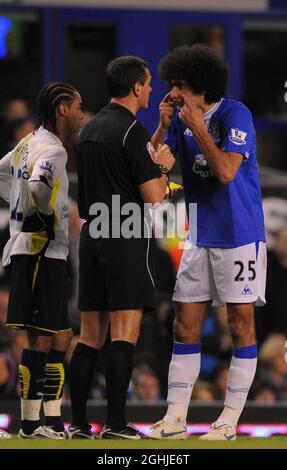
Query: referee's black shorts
x=38 y=294
x=115 y=274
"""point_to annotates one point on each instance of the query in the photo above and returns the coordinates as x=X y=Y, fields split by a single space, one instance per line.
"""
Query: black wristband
x=163 y=169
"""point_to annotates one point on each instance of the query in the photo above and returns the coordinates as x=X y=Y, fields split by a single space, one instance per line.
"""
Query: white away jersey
x=39 y=153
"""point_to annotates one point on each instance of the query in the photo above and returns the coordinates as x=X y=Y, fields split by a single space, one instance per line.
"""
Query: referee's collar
x=119 y=106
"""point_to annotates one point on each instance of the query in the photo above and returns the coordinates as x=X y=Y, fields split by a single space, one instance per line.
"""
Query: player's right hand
x=165 y=158
x=166 y=111
x=39 y=222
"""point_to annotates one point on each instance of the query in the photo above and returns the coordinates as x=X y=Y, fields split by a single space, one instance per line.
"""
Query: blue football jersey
x=228 y=215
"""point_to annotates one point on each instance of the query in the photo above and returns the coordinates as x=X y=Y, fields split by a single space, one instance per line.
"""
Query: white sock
x=52 y=407
x=240 y=377
x=183 y=371
x=30 y=409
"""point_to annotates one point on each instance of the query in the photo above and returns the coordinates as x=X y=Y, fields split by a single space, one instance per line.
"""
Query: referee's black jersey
x=113 y=158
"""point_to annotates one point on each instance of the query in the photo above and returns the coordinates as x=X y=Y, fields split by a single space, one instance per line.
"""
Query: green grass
x=277 y=442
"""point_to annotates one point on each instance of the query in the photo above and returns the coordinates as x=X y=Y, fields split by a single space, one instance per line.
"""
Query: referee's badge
x=152 y=152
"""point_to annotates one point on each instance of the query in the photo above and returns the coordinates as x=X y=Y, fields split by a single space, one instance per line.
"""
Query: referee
x=117 y=166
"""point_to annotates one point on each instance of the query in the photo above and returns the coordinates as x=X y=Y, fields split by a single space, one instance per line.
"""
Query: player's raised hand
x=165 y=158
x=166 y=111
x=191 y=115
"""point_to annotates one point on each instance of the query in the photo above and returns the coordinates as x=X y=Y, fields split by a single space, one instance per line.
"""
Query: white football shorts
x=223 y=275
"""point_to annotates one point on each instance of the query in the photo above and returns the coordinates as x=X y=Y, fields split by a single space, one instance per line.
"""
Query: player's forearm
x=41 y=194
x=218 y=160
x=159 y=136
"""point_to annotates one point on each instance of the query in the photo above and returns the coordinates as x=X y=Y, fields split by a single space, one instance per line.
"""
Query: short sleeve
x=49 y=163
x=141 y=155
x=237 y=131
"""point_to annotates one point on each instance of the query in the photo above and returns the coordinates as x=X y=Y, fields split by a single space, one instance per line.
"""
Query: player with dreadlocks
x=33 y=180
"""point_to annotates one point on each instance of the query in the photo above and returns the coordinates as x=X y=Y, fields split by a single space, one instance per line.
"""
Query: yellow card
x=173 y=186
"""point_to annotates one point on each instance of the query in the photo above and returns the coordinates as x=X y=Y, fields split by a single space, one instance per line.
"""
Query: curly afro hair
x=200 y=67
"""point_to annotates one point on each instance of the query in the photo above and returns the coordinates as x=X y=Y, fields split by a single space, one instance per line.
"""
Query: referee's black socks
x=118 y=375
x=82 y=367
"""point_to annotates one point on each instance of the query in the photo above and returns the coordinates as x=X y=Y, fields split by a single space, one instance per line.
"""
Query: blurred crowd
x=149 y=381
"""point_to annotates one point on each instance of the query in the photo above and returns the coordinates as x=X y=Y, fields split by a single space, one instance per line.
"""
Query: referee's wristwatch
x=163 y=169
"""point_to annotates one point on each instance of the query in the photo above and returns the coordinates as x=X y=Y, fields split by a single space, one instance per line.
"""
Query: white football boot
x=4 y=434
x=42 y=432
x=164 y=430
x=220 y=431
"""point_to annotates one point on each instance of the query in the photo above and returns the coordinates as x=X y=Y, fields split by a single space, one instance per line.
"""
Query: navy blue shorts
x=38 y=294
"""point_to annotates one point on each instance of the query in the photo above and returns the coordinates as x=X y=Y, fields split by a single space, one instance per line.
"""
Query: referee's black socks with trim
x=119 y=367
x=82 y=367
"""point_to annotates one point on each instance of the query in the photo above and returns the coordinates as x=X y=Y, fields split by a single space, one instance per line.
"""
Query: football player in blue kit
x=224 y=260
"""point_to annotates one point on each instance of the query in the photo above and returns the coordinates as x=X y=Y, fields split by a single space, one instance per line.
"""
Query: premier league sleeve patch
x=238 y=137
x=47 y=167
x=151 y=150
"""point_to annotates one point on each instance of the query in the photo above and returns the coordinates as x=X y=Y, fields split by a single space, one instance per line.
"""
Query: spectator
x=220 y=381
x=5 y=137
x=264 y=393
x=272 y=318
x=8 y=378
x=16 y=123
x=15 y=108
x=5 y=333
x=224 y=333
x=4 y=297
x=19 y=341
x=156 y=335
x=146 y=386
x=274 y=366
x=204 y=391
x=20 y=128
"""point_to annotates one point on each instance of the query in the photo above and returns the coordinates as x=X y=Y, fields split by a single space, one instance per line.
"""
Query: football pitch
x=276 y=442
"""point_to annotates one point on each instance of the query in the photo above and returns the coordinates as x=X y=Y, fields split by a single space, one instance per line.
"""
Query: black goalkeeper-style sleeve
x=140 y=154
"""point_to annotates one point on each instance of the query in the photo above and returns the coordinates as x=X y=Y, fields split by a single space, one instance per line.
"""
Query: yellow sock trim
x=54 y=372
x=25 y=378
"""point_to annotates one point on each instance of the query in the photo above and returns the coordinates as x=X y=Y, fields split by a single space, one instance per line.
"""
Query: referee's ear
x=137 y=89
